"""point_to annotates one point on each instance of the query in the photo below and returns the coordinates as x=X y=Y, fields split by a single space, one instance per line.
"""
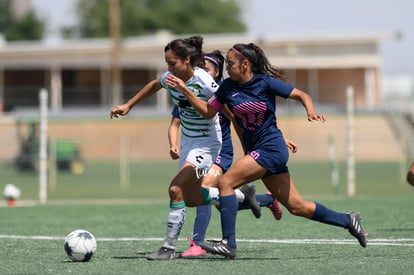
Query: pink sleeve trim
x=216 y=105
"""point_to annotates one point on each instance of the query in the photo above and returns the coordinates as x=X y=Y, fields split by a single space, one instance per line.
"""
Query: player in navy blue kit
x=250 y=93
x=214 y=63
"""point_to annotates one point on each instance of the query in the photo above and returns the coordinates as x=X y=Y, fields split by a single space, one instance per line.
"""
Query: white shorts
x=201 y=152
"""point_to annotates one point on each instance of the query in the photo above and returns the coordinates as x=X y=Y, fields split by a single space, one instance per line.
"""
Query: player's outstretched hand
x=121 y=110
x=316 y=117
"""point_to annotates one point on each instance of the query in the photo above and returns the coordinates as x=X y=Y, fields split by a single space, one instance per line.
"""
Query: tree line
x=137 y=17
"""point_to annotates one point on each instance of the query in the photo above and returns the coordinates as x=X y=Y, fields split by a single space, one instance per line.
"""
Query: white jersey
x=194 y=125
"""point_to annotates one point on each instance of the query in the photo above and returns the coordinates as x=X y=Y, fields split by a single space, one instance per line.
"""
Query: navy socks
x=328 y=216
x=201 y=222
x=228 y=209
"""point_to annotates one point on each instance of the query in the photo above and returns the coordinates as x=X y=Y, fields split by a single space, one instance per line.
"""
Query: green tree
x=145 y=16
x=29 y=27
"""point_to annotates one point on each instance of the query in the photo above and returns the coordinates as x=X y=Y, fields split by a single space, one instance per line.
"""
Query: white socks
x=215 y=196
x=176 y=218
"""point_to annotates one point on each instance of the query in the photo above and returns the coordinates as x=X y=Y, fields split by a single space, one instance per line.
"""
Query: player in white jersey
x=197 y=133
x=201 y=137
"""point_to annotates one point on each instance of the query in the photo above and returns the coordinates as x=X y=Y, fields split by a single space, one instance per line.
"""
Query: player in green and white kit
x=199 y=135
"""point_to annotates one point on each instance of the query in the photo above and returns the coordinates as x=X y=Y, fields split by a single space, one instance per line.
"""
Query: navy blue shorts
x=273 y=157
x=224 y=160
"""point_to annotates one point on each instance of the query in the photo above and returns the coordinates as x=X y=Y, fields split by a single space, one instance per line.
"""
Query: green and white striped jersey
x=194 y=125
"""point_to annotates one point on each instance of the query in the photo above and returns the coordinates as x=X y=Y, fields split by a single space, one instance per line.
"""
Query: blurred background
x=353 y=58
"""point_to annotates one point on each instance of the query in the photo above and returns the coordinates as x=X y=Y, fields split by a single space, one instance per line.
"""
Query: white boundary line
x=377 y=242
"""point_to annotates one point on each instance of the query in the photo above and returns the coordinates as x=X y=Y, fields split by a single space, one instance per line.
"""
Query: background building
x=78 y=73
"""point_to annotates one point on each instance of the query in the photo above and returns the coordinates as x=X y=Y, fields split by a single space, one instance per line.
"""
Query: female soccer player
x=201 y=137
x=214 y=63
x=410 y=174
x=250 y=94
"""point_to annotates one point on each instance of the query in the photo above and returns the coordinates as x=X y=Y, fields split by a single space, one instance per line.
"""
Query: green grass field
x=131 y=222
x=149 y=181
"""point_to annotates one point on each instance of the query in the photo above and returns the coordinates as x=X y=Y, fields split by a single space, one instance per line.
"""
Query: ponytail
x=258 y=60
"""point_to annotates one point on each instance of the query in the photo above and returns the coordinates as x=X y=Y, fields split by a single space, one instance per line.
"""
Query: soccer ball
x=11 y=191
x=80 y=245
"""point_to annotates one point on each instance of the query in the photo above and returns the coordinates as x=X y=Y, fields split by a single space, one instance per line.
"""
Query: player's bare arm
x=173 y=137
x=306 y=101
x=151 y=88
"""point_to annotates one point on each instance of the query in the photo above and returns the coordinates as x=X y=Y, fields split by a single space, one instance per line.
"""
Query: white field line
x=377 y=242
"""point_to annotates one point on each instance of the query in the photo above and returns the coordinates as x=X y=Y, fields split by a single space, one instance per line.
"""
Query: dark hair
x=258 y=60
x=217 y=58
x=191 y=47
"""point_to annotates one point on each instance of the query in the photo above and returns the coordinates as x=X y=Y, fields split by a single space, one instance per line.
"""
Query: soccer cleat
x=164 y=253
x=249 y=191
x=275 y=208
x=356 y=230
x=194 y=250
x=221 y=248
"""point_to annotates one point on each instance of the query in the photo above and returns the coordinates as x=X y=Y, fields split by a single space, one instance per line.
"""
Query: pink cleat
x=194 y=250
x=275 y=208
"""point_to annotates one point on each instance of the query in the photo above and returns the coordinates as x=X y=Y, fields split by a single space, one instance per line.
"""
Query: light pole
x=116 y=78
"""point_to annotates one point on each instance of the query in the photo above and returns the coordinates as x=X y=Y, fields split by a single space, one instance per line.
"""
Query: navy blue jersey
x=225 y=132
x=175 y=113
x=225 y=158
x=254 y=106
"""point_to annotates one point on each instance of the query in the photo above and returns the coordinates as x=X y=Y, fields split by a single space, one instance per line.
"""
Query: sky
x=303 y=17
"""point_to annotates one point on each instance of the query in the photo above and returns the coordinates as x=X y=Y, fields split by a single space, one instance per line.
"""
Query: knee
x=174 y=191
x=209 y=181
x=223 y=184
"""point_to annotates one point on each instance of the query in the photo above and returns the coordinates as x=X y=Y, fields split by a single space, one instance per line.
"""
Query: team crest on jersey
x=251 y=114
x=195 y=88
